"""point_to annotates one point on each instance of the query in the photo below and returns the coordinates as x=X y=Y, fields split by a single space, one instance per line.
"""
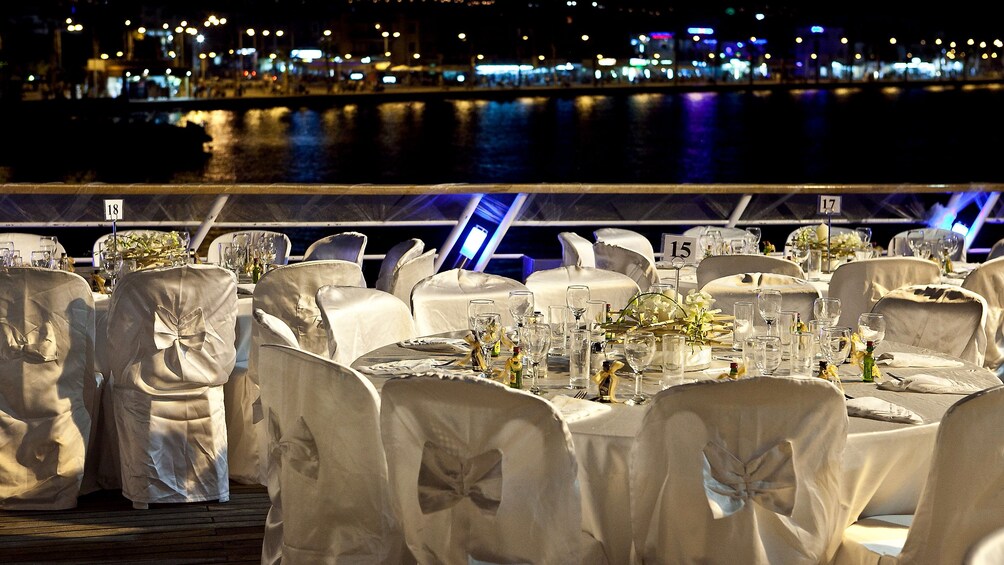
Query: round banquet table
x=884 y=463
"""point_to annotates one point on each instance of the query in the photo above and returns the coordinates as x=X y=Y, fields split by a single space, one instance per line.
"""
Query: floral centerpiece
x=692 y=316
x=150 y=250
x=840 y=246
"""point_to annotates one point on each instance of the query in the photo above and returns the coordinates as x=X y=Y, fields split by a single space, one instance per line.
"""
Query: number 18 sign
x=113 y=209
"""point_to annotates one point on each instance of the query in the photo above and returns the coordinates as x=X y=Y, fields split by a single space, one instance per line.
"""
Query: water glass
x=814 y=268
x=639 y=349
x=674 y=360
x=478 y=306
x=786 y=321
x=749 y=354
x=557 y=320
x=835 y=344
x=742 y=326
x=41 y=258
x=578 y=358
x=767 y=354
x=803 y=352
x=826 y=310
x=871 y=327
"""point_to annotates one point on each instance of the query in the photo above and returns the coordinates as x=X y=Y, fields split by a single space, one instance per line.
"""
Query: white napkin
x=245 y=288
x=436 y=344
x=903 y=359
x=575 y=409
x=928 y=383
x=403 y=367
x=878 y=409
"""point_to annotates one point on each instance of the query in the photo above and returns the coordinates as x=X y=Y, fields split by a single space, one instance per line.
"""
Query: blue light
x=960 y=228
x=816 y=29
x=475 y=239
x=700 y=31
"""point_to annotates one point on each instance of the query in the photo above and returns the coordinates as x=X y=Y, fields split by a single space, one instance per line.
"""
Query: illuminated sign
x=816 y=29
x=661 y=35
x=700 y=31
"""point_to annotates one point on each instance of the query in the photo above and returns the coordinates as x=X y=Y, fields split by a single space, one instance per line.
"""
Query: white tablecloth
x=884 y=466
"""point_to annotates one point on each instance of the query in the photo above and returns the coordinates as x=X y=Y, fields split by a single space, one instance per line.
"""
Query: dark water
x=922 y=135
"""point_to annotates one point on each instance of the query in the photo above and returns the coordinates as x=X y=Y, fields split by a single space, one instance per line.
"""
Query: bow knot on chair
x=189 y=331
x=768 y=480
x=297 y=448
x=446 y=478
x=35 y=346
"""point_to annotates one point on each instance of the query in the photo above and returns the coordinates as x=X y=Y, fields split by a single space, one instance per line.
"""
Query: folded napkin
x=928 y=383
x=575 y=409
x=878 y=409
x=436 y=344
x=403 y=367
x=245 y=288
x=903 y=359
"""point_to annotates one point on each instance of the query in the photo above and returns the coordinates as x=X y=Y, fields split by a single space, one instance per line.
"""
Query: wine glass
x=826 y=310
x=576 y=297
x=767 y=354
x=768 y=302
x=914 y=239
x=536 y=342
x=639 y=348
x=950 y=244
x=477 y=306
x=865 y=235
x=488 y=330
x=871 y=327
x=835 y=343
x=520 y=305
x=799 y=252
x=753 y=235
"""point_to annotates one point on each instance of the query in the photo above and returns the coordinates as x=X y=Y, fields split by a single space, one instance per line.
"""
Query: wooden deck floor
x=104 y=528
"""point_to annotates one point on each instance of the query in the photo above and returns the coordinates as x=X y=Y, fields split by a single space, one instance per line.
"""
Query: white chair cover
x=395 y=257
x=727 y=233
x=98 y=243
x=941 y=317
x=326 y=464
x=988 y=551
x=623 y=260
x=860 y=284
x=406 y=276
x=346 y=246
x=28 y=242
x=987 y=280
x=439 y=302
x=627 y=238
x=174 y=331
x=962 y=501
x=549 y=286
x=576 y=250
x=359 y=320
x=997 y=250
x=480 y=472
x=718 y=266
x=48 y=387
x=282 y=245
x=898 y=244
x=739 y=471
x=796 y=294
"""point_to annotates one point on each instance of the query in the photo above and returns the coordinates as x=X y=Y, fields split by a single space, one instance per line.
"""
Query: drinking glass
x=803 y=352
x=814 y=264
x=520 y=306
x=950 y=244
x=767 y=354
x=48 y=243
x=666 y=289
x=742 y=326
x=578 y=358
x=786 y=321
x=535 y=342
x=478 y=306
x=865 y=235
x=768 y=302
x=674 y=360
x=41 y=258
x=925 y=250
x=826 y=310
x=799 y=253
x=576 y=297
x=835 y=344
x=639 y=348
x=488 y=330
x=557 y=320
x=753 y=237
x=871 y=327
x=914 y=239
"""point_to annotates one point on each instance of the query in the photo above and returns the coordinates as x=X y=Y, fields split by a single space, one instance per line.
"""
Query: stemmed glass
x=865 y=235
x=949 y=245
x=826 y=310
x=477 y=306
x=753 y=235
x=520 y=305
x=768 y=301
x=914 y=239
x=576 y=297
x=536 y=343
x=835 y=343
x=488 y=331
x=871 y=327
x=639 y=348
x=767 y=354
x=799 y=252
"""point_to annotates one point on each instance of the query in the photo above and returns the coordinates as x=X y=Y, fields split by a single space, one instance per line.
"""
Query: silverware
x=581 y=393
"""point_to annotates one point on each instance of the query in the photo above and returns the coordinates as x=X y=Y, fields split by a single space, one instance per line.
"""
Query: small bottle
x=255 y=270
x=608 y=319
x=606 y=385
x=515 y=367
x=868 y=363
x=597 y=353
x=822 y=371
x=734 y=370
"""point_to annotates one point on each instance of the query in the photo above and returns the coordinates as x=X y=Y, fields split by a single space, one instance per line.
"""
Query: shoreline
x=256 y=100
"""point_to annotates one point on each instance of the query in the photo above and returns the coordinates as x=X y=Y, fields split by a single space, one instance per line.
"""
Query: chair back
x=898 y=244
x=997 y=250
x=439 y=302
x=987 y=551
x=549 y=285
x=289 y=293
x=174 y=331
x=396 y=256
x=627 y=238
x=409 y=274
x=718 y=266
x=469 y=461
x=987 y=280
x=797 y=294
x=346 y=246
x=349 y=313
x=576 y=250
x=757 y=470
x=99 y=243
x=282 y=245
x=48 y=389
x=626 y=261
x=967 y=472
x=861 y=283
x=326 y=462
x=942 y=317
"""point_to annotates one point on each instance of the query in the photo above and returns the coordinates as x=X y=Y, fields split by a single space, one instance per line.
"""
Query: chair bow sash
x=35 y=346
x=445 y=479
x=296 y=448
x=189 y=331
x=768 y=480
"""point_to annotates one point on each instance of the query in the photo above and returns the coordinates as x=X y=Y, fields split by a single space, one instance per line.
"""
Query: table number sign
x=829 y=205
x=114 y=209
x=679 y=247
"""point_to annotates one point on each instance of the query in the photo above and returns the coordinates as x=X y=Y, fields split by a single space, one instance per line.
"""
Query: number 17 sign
x=829 y=205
